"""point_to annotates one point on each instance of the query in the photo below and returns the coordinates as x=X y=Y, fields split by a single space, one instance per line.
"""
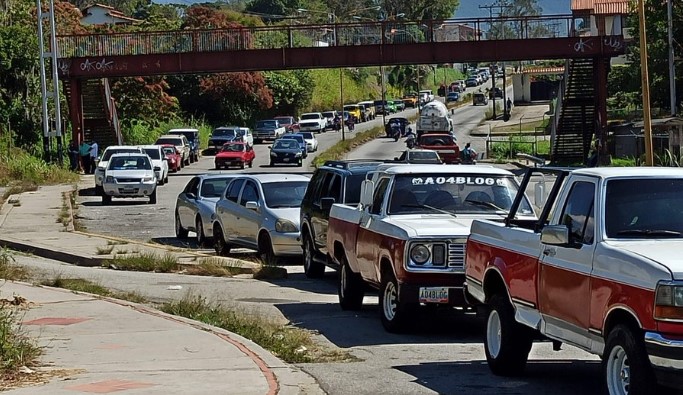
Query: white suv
x=104 y=159
x=156 y=154
x=130 y=175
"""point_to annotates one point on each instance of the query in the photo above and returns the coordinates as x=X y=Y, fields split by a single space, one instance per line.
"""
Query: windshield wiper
x=649 y=232
x=485 y=204
x=431 y=208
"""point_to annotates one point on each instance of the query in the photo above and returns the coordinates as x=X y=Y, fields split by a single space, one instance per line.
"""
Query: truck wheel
x=106 y=199
x=312 y=268
x=507 y=343
x=625 y=364
x=180 y=232
x=222 y=248
x=351 y=288
x=394 y=314
x=99 y=190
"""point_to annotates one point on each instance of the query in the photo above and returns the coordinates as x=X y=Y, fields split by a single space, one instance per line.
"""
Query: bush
x=17 y=167
x=518 y=145
x=140 y=132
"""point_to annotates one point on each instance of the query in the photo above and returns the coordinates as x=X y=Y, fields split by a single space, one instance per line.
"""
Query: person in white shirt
x=94 y=148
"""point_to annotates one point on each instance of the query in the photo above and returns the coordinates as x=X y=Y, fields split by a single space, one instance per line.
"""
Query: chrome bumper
x=286 y=244
x=666 y=357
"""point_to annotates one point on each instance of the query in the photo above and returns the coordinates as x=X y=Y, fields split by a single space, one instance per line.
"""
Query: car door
x=320 y=218
x=564 y=278
x=249 y=219
x=225 y=209
x=186 y=205
x=367 y=237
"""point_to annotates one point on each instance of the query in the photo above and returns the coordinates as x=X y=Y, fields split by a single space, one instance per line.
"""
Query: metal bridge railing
x=323 y=35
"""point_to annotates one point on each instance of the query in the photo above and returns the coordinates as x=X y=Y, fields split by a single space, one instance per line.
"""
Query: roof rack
x=350 y=163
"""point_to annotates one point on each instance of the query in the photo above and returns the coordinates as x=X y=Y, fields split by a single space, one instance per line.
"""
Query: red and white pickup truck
x=601 y=269
x=407 y=237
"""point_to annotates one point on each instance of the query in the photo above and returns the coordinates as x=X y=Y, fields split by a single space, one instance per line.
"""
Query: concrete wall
x=521 y=85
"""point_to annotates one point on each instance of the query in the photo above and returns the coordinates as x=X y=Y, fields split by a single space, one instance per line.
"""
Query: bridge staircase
x=100 y=120
x=574 y=129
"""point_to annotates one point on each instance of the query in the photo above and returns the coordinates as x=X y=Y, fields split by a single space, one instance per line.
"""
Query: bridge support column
x=76 y=109
x=600 y=70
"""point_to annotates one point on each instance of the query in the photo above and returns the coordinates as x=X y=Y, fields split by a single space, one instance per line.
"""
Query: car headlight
x=109 y=179
x=298 y=154
x=148 y=179
x=419 y=254
x=669 y=301
x=285 y=226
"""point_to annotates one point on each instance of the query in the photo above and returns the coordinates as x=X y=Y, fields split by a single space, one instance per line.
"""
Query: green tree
x=420 y=9
x=291 y=90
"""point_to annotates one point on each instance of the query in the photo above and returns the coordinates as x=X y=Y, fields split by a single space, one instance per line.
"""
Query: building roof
x=601 y=7
x=112 y=12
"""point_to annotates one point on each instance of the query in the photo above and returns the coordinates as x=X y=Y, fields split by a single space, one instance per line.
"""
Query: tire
x=299 y=163
x=199 y=230
x=507 y=343
x=251 y=163
x=166 y=179
x=272 y=163
x=180 y=232
x=106 y=200
x=625 y=364
x=351 y=288
x=312 y=268
x=241 y=165
x=99 y=191
x=222 y=248
x=394 y=314
x=265 y=251
x=153 y=197
x=161 y=182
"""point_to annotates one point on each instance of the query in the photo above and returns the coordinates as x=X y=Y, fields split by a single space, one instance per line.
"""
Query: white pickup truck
x=407 y=237
x=600 y=269
x=312 y=122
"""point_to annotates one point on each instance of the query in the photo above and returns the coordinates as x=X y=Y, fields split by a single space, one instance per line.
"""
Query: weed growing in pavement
x=116 y=242
x=16 y=348
x=9 y=270
x=147 y=262
x=215 y=267
x=269 y=272
x=82 y=285
x=291 y=344
x=122 y=252
x=104 y=250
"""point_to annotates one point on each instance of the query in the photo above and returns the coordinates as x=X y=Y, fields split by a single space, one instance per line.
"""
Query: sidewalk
x=521 y=113
x=101 y=345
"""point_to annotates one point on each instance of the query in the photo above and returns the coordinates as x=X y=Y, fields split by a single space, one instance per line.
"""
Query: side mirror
x=555 y=235
x=326 y=203
x=367 y=190
x=251 y=205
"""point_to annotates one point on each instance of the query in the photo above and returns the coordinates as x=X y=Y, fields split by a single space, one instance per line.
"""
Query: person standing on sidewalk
x=94 y=148
x=509 y=105
x=84 y=151
x=73 y=155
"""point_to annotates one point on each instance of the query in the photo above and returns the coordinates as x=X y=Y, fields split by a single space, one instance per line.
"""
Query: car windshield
x=214 y=187
x=307 y=135
x=169 y=140
x=266 y=124
x=310 y=116
x=423 y=156
x=169 y=150
x=285 y=144
x=351 y=108
x=108 y=153
x=285 y=120
x=233 y=148
x=153 y=153
x=642 y=208
x=284 y=194
x=436 y=140
x=224 y=133
x=130 y=163
x=328 y=114
x=456 y=193
x=296 y=137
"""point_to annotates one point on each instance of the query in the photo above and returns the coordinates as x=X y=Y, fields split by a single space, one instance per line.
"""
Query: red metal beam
x=342 y=56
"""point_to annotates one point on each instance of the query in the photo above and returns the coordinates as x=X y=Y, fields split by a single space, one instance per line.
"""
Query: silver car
x=261 y=212
x=130 y=175
x=196 y=205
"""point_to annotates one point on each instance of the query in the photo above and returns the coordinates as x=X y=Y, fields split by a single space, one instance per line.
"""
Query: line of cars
x=126 y=171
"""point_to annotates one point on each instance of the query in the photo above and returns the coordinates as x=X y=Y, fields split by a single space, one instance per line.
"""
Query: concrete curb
x=49 y=253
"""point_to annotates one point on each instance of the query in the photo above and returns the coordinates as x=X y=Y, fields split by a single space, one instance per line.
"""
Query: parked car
x=288 y=122
x=369 y=108
x=410 y=100
x=103 y=161
x=300 y=140
x=261 y=212
x=419 y=156
x=333 y=182
x=156 y=154
x=172 y=156
x=312 y=122
x=444 y=144
x=452 y=96
x=286 y=151
x=235 y=154
x=181 y=144
x=226 y=134
x=471 y=82
x=366 y=111
x=130 y=175
x=196 y=205
x=479 y=98
x=192 y=136
x=311 y=141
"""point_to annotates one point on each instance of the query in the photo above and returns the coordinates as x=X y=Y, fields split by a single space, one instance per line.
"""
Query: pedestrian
x=73 y=155
x=467 y=155
x=94 y=152
x=84 y=151
x=509 y=105
x=350 y=123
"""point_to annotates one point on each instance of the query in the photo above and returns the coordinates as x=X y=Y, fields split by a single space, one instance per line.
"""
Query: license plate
x=285 y=159
x=433 y=295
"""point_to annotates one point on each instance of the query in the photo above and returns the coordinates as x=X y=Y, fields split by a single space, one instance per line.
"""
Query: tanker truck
x=434 y=118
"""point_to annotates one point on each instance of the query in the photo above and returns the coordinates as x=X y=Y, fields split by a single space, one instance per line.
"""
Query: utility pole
x=672 y=66
x=501 y=5
x=647 y=121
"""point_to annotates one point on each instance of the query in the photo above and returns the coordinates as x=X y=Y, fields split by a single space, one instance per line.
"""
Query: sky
x=470 y=8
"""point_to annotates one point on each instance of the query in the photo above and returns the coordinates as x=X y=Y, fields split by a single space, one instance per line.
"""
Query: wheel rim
x=390 y=301
x=493 y=334
x=618 y=372
x=308 y=257
x=200 y=231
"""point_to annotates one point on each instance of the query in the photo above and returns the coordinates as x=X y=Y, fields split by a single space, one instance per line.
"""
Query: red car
x=444 y=144
x=235 y=154
x=173 y=157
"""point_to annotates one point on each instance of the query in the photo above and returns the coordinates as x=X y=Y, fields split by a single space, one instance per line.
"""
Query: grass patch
x=82 y=285
x=215 y=267
x=22 y=171
x=147 y=262
x=104 y=250
x=16 y=348
x=525 y=127
x=291 y=344
x=9 y=270
x=516 y=144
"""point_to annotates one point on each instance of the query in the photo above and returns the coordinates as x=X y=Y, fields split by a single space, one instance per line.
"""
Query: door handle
x=549 y=252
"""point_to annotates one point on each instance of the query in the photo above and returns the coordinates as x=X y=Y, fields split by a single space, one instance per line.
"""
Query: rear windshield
x=169 y=140
x=109 y=152
x=189 y=135
x=266 y=124
x=310 y=116
x=153 y=153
